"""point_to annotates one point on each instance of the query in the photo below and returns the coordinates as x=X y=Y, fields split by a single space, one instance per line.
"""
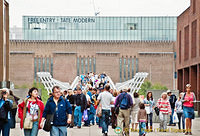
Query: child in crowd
x=142 y=118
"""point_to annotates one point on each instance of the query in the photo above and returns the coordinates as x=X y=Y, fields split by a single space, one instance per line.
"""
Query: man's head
x=125 y=89
x=79 y=91
x=169 y=93
x=56 y=92
x=107 y=87
x=94 y=91
x=65 y=92
x=4 y=93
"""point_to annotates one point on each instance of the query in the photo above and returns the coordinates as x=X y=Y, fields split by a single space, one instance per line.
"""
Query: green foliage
x=144 y=87
x=158 y=86
x=44 y=94
x=147 y=85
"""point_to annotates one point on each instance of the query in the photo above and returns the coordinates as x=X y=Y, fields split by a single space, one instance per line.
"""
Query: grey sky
x=18 y=8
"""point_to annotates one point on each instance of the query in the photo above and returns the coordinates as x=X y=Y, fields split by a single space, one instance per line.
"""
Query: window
x=186 y=42
x=180 y=47
x=194 y=6
x=194 y=39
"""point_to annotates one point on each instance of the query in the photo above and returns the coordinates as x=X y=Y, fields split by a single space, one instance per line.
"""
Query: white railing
x=135 y=83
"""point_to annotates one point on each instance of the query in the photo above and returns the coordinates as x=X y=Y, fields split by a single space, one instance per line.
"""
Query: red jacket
x=22 y=112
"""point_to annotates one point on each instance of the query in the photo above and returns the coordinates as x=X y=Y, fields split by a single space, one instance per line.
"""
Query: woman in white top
x=134 y=111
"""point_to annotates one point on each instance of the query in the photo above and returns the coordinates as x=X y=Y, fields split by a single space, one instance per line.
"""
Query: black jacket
x=172 y=100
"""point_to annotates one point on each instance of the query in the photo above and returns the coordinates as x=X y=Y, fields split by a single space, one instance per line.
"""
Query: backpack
x=124 y=102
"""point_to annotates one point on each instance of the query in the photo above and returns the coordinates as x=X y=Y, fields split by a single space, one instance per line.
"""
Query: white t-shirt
x=106 y=98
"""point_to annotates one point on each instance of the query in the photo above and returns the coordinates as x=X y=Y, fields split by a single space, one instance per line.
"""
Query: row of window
x=128 y=68
x=42 y=64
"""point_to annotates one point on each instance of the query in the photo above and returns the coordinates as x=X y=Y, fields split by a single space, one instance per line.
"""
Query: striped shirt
x=164 y=106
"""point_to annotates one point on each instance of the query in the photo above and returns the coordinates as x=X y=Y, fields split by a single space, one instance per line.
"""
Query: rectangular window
x=90 y=64
x=124 y=69
x=128 y=68
x=82 y=66
x=77 y=66
x=194 y=39
x=47 y=65
x=52 y=67
x=186 y=42
x=35 y=69
x=194 y=6
x=86 y=65
x=132 y=67
x=136 y=65
x=120 y=69
x=43 y=64
x=180 y=47
x=94 y=65
x=39 y=64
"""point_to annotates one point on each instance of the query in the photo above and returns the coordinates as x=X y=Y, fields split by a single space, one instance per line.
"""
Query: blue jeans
x=5 y=128
x=149 y=118
x=171 y=118
x=77 y=116
x=58 y=131
x=33 y=131
x=92 y=114
x=179 y=120
x=105 y=120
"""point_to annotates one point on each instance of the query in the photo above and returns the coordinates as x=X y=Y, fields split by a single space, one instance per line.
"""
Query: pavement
x=96 y=131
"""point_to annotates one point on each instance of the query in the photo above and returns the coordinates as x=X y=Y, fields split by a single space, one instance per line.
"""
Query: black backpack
x=4 y=111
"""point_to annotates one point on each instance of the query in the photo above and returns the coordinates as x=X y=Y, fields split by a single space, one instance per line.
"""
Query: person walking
x=125 y=102
x=179 y=111
x=188 y=100
x=80 y=106
x=165 y=109
x=134 y=111
x=30 y=112
x=106 y=100
x=172 y=100
x=59 y=107
x=71 y=99
x=142 y=119
x=5 y=108
x=13 y=111
x=149 y=106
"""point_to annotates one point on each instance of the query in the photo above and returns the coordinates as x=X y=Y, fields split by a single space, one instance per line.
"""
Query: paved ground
x=95 y=131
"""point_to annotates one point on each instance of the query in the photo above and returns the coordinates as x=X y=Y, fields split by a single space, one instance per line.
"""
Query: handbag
x=85 y=115
x=48 y=122
x=175 y=118
x=28 y=123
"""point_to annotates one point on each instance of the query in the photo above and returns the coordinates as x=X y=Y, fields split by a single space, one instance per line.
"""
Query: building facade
x=71 y=46
x=188 y=49
x=4 y=44
x=99 y=28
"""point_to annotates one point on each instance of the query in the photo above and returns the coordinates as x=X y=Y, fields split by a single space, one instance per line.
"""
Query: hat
x=164 y=93
x=188 y=85
x=169 y=91
x=5 y=89
x=125 y=88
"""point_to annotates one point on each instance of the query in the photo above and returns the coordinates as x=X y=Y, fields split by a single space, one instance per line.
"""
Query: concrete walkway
x=95 y=131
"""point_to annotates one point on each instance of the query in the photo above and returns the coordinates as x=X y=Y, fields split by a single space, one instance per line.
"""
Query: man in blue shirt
x=59 y=107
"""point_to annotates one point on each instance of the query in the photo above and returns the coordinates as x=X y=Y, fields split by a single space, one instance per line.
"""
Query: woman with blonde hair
x=188 y=100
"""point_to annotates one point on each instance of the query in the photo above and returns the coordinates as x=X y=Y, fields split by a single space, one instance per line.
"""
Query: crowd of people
x=93 y=102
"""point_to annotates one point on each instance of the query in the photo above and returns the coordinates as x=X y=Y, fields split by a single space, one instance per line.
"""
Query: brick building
x=67 y=59
x=188 y=49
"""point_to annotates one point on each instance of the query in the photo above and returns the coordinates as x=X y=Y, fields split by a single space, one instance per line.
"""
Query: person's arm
x=20 y=109
x=46 y=110
x=138 y=116
x=69 y=111
x=169 y=108
x=98 y=99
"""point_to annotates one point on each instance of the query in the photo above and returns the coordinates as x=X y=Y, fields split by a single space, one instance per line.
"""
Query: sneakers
x=78 y=127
